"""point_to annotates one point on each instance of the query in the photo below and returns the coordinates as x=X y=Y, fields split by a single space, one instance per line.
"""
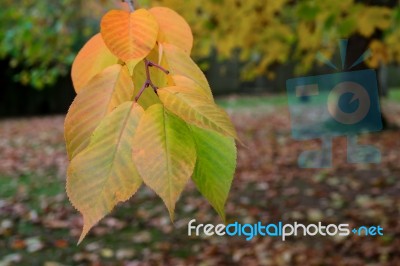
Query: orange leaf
x=173 y=28
x=93 y=58
x=61 y=243
x=129 y=36
x=18 y=244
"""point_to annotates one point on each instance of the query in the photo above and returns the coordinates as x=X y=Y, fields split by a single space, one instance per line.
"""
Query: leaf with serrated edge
x=129 y=36
x=100 y=96
x=196 y=109
x=179 y=63
x=103 y=174
x=93 y=58
x=164 y=154
x=185 y=82
x=173 y=28
x=215 y=166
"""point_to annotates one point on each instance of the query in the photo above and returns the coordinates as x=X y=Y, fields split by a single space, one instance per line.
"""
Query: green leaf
x=196 y=109
x=215 y=166
x=164 y=154
x=103 y=174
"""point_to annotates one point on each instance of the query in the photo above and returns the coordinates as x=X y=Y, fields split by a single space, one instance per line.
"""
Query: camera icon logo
x=339 y=104
x=359 y=93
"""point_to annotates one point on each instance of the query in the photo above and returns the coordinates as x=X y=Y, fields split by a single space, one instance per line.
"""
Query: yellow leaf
x=185 y=82
x=164 y=154
x=103 y=174
x=179 y=63
x=130 y=36
x=379 y=56
x=371 y=18
x=196 y=109
x=93 y=58
x=173 y=28
x=100 y=96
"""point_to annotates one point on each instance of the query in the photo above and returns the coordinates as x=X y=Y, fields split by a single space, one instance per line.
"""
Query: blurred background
x=248 y=49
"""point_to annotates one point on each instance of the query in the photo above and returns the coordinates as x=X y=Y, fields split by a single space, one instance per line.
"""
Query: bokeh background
x=248 y=49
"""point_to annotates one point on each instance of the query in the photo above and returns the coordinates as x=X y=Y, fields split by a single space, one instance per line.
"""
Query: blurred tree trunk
x=359 y=44
x=383 y=80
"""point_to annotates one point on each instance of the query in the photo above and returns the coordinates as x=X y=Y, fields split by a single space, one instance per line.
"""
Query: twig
x=145 y=85
x=151 y=64
x=131 y=4
x=148 y=82
x=148 y=64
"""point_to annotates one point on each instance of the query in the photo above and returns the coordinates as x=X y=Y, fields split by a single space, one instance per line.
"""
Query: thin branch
x=149 y=82
x=131 y=4
x=151 y=64
x=145 y=85
x=148 y=64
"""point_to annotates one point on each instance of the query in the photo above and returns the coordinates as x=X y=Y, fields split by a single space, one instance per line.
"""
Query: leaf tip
x=87 y=225
x=83 y=235
x=221 y=213
x=171 y=210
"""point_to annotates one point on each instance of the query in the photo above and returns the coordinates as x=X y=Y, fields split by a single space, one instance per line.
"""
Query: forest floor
x=38 y=225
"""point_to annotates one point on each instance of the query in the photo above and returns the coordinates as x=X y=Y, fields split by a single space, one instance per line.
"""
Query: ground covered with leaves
x=38 y=225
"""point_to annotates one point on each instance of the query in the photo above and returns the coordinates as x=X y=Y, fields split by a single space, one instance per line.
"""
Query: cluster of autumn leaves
x=174 y=132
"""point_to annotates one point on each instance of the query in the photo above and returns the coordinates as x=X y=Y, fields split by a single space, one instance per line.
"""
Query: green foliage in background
x=40 y=38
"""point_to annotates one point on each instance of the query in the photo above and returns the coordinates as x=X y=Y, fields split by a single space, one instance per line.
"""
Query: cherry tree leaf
x=103 y=174
x=93 y=58
x=129 y=35
x=100 y=96
x=179 y=63
x=215 y=166
x=173 y=28
x=185 y=82
x=164 y=154
x=196 y=109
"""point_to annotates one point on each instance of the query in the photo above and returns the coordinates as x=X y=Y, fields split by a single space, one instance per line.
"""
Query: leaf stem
x=151 y=64
x=131 y=4
x=145 y=85
x=149 y=82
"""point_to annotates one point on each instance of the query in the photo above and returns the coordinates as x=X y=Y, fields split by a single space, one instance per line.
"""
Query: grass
x=146 y=212
x=394 y=94
x=32 y=191
x=239 y=102
x=245 y=102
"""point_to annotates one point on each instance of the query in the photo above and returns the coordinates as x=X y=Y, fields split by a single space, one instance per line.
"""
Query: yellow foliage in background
x=271 y=32
x=263 y=34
